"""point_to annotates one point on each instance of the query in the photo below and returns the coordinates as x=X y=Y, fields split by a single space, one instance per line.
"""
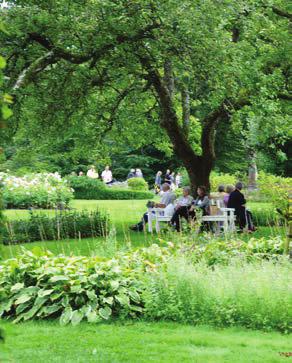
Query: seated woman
x=182 y=208
x=202 y=202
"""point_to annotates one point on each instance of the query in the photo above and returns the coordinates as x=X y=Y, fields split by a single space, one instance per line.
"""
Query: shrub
x=35 y=190
x=39 y=285
x=218 y=251
x=86 y=188
x=65 y=224
x=137 y=184
x=221 y=179
x=254 y=295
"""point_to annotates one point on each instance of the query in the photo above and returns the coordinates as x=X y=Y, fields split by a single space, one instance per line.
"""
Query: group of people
x=186 y=206
x=106 y=175
x=135 y=173
x=170 y=178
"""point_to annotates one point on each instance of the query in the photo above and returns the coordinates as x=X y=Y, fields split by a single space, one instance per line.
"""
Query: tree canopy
x=91 y=76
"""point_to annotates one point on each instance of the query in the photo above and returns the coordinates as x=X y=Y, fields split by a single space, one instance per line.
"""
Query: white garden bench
x=225 y=216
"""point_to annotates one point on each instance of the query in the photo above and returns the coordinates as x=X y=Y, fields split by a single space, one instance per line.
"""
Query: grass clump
x=64 y=224
x=255 y=295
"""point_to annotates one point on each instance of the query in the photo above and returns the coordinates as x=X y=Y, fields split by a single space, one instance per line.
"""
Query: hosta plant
x=40 y=285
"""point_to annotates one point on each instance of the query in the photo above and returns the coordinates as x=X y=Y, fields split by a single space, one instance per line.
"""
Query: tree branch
x=282 y=13
x=28 y=74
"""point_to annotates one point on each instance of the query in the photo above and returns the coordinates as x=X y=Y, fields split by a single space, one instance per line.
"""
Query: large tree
x=142 y=70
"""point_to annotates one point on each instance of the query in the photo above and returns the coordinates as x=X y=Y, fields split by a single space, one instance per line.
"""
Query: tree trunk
x=185 y=100
x=198 y=167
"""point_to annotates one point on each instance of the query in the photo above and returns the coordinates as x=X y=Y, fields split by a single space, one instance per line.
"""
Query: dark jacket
x=237 y=201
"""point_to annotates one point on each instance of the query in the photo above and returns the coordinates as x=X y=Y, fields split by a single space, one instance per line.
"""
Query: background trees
x=92 y=79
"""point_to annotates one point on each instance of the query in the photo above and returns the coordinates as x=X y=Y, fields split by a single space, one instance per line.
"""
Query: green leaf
x=17 y=287
x=91 y=295
x=123 y=300
x=77 y=289
x=76 y=317
x=49 y=310
x=105 y=313
x=20 y=308
x=134 y=296
x=108 y=300
x=2 y=62
x=66 y=316
x=59 y=278
x=114 y=285
x=92 y=317
x=43 y=293
x=22 y=299
x=6 y=112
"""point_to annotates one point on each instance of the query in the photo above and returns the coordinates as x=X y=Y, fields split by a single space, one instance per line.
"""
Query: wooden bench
x=226 y=217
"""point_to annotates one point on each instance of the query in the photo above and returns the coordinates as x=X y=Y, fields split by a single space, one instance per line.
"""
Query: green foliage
x=252 y=295
x=40 y=285
x=218 y=251
x=137 y=184
x=65 y=224
x=35 y=190
x=217 y=179
x=86 y=188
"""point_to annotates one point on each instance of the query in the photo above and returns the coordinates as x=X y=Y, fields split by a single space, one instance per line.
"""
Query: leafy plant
x=137 y=184
x=39 y=285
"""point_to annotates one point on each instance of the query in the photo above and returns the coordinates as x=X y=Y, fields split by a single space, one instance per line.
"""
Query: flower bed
x=35 y=190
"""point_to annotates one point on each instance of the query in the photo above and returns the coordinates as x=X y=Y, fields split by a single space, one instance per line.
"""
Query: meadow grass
x=139 y=342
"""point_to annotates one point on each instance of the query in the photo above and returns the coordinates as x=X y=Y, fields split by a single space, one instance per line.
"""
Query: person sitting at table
x=166 y=202
x=182 y=208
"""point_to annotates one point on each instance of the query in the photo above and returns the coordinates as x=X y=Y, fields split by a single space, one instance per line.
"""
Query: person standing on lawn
x=167 y=178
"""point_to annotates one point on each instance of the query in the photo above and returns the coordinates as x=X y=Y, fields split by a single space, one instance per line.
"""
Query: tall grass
x=255 y=295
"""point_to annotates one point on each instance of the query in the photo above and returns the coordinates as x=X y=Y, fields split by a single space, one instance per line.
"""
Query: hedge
x=86 y=188
x=65 y=224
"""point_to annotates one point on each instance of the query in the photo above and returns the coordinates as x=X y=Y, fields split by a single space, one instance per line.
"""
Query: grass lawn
x=47 y=341
x=138 y=342
x=122 y=213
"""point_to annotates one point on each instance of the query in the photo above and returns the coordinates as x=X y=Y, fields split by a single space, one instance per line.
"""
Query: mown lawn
x=122 y=213
x=138 y=342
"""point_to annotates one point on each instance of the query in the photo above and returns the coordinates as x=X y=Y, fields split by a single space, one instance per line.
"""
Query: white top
x=107 y=176
x=92 y=174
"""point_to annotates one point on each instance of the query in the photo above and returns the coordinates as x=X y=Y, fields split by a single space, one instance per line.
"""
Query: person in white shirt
x=182 y=209
x=107 y=175
x=178 y=180
x=92 y=173
x=166 y=203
